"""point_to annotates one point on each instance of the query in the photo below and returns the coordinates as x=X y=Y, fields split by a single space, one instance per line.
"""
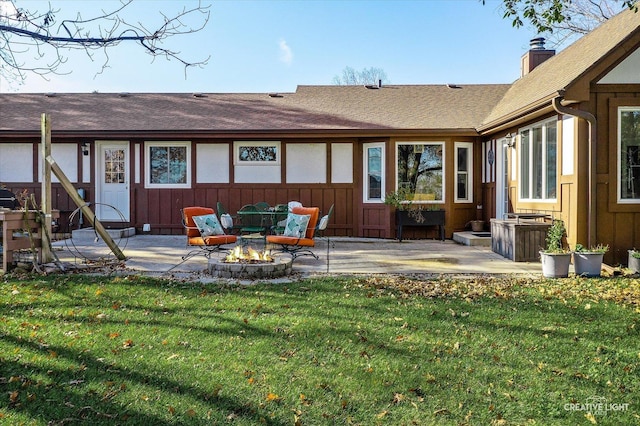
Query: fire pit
x=250 y=263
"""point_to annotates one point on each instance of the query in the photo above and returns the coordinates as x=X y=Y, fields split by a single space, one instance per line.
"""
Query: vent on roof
x=50 y=95
x=454 y=86
x=275 y=95
x=199 y=95
x=371 y=86
x=123 y=94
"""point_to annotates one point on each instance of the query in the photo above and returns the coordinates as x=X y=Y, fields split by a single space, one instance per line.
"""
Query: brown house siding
x=617 y=224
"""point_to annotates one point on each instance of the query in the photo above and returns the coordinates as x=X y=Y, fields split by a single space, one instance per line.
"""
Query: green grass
x=385 y=350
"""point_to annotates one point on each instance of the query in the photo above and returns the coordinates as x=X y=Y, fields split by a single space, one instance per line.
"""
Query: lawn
x=351 y=350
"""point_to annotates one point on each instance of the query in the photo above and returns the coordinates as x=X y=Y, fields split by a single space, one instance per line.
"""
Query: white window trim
x=236 y=153
x=469 y=147
x=619 y=159
x=147 y=164
x=444 y=172
x=365 y=170
x=544 y=161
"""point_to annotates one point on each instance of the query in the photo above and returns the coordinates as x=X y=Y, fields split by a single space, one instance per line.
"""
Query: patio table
x=255 y=224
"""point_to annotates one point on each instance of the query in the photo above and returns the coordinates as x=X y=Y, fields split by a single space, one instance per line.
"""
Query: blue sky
x=273 y=46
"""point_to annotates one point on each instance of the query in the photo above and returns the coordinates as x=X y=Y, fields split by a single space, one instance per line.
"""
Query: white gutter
x=591 y=120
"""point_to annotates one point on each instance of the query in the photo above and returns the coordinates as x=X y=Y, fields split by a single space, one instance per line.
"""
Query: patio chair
x=250 y=219
x=262 y=206
x=301 y=244
x=203 y=243
x=279 y=218
x=227 y=220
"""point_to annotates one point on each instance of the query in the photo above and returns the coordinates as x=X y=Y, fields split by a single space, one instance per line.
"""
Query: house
x=561 y=140
x=566 y=138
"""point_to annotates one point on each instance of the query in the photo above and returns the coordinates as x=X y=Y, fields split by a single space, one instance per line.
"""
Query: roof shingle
x=404 y=107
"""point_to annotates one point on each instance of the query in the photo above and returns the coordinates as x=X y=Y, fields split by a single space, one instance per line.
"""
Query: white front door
x=112 y=181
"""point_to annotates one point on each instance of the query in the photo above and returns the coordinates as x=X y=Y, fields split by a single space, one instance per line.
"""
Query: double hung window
x=538 y=150
x=464 y=172
x=168 y=164
x=374 y=172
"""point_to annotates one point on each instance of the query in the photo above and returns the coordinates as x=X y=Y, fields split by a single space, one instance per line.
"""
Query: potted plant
x=555 y=258
x=588 y=262
x=634 y=261
x=409 y=213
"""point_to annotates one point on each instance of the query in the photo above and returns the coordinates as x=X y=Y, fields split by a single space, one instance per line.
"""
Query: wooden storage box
x=518 y=240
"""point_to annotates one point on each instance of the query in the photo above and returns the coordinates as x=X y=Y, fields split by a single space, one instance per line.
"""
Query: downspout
x=591 y=121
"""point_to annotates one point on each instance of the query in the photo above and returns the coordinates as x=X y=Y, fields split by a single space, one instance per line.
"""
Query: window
x=168 y=165
x=464 y=172
x=258 y=153
x=629 y=154
x=373 y=172
x=421 y=170
x=257 y=161
x=538 y=162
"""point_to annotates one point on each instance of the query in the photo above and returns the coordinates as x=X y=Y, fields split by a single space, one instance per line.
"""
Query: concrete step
x=473 y=238
x=115 y=234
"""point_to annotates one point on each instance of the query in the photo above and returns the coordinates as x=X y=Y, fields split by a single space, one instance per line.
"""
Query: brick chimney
x=536 y=55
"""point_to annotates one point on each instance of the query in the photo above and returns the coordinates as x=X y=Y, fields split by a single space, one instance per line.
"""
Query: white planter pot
x=634 y=263
x=588 y=264
x=555 y=265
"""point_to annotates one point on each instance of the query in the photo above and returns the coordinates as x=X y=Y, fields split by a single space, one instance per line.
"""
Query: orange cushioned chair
x=298 y=246
x=205 y=245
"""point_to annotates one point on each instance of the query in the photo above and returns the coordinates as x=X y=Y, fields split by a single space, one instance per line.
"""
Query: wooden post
x=45 y=199
x=73 y=193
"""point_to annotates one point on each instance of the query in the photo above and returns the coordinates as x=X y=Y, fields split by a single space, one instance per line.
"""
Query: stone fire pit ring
x=280 y=267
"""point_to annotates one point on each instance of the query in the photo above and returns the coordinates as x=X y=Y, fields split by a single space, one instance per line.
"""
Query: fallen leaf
x=382 y=414
x=398 y=398
x=272 y=397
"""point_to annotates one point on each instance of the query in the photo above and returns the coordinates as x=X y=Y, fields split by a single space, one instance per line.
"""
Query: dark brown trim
x=615 y=88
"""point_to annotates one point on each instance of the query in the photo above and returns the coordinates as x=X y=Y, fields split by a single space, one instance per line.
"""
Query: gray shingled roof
x=320 y=108
x=560 y=71
x=410 y=107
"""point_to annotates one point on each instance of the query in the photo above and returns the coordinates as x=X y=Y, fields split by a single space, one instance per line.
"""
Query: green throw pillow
x=208 y=225
x=296 y=225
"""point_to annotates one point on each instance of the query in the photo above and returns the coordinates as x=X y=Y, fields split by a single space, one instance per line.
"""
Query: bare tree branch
x=32 y=42
x=572 y=16
x=351 y=77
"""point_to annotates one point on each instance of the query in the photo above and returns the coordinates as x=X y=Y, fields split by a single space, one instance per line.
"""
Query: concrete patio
x=161 y=255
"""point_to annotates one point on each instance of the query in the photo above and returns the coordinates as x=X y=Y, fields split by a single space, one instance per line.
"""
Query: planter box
x=420 y=218
x=518 y=240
